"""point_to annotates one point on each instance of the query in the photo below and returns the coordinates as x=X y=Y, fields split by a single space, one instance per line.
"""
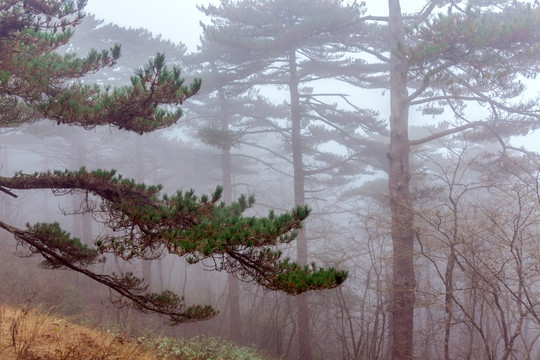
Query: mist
x=408 y=133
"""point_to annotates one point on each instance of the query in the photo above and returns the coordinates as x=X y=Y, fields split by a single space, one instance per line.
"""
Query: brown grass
x=32 y=334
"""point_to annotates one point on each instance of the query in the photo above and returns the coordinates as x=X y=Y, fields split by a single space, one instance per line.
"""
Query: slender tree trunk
x=147 y=273
x=3 y=160
x=449 y=282
x=235 y=324
x=146 y=265
x=304 y=345
x=5 y=205
x=234 y=308
x=86 y=220
x=403 y=284
x=448 y=300
x=161 y=274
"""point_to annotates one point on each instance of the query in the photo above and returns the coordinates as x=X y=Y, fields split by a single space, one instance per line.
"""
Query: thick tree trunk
x=304 y=344
x=403 y=284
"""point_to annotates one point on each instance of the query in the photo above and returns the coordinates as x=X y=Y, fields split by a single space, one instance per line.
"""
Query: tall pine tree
x=465 y=61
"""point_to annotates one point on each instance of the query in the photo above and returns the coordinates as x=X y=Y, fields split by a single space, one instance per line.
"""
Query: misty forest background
x=475 y=196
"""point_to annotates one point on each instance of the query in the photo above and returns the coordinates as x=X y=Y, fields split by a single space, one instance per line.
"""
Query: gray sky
x=176 y=20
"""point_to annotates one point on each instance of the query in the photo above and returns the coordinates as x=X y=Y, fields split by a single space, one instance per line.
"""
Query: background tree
x=137 y=46
x=216 y=117
x=36 y=81
x=294 y=45
x=475 y=228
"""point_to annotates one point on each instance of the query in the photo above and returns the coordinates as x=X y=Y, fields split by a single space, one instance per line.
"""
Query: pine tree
x=36 y=82
x=442 y=58
x=219 y=108
x=294 y=44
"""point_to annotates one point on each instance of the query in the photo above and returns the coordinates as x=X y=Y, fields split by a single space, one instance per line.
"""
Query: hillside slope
x=35 y=335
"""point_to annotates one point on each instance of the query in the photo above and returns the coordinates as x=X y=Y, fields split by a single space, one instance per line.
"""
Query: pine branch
x=166 y=304
x=446 y=133
x=138 y=107
x=147 y=224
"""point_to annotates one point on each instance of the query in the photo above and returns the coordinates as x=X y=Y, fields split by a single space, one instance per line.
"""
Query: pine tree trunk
x=235 y=324
x=3 y=160
x=234 y=289
x=304 y=344
x=146 y=265
x=234 y=309
x=82 y=224
x=403 y=284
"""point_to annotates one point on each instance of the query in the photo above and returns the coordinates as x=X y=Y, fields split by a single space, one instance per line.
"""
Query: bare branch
x=8 y=192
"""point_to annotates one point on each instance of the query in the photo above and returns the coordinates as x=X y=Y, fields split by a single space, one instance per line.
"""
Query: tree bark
x=304 y=344
x=403 y=284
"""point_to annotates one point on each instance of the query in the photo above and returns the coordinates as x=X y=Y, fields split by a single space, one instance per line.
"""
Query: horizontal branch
x=449 y=97
x=446 y=133
x=144 y=224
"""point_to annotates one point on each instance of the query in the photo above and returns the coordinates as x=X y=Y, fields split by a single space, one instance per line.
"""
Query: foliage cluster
x=203 y=348
x=182 y=224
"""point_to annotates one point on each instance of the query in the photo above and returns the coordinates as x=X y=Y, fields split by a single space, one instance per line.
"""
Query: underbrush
x=32 y=334
x=203 y=348
x=36 y=334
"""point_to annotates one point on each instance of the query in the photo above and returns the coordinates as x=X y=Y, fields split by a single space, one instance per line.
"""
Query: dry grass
x=35 y=334
x=31 y=334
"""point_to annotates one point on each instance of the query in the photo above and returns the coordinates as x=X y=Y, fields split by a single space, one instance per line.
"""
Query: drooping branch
x=44 y=239
x=283 y=275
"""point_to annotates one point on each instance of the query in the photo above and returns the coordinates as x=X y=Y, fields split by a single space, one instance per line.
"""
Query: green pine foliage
x=147 y=224
x=59 y=243
x=470 y=38
x=36 y=82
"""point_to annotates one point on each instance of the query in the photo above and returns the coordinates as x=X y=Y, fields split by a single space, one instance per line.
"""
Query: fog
x=413 y=144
